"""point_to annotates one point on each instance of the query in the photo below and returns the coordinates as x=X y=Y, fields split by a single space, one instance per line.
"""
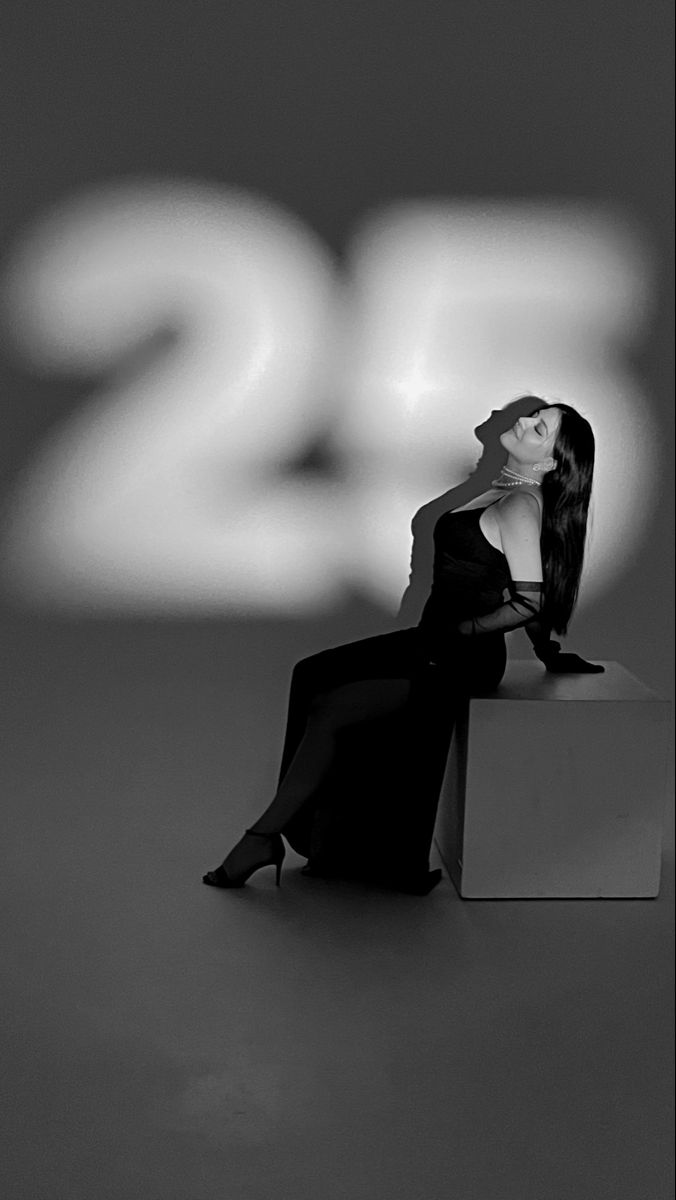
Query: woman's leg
x=329 y=713
x=350 y=704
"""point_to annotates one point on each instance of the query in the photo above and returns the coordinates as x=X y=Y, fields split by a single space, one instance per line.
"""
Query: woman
x=388 y=703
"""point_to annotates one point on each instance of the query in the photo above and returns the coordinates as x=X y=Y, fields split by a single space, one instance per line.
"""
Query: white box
x=555 y=786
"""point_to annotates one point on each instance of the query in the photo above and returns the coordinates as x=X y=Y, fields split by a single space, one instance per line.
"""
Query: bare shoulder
x=520 y=507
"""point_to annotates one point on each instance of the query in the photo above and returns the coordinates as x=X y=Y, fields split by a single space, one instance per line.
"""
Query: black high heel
x=220 y=877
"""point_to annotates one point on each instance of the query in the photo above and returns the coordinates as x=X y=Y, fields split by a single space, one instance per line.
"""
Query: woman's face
x=532 y=439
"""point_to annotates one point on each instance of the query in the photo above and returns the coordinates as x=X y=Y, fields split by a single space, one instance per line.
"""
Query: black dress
x=373 y=817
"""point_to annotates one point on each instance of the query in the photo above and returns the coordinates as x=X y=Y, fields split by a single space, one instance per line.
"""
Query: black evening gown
x=373 y=816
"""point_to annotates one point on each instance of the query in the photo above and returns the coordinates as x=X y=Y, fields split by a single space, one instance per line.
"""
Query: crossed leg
x=352 y=685
x=329 y=713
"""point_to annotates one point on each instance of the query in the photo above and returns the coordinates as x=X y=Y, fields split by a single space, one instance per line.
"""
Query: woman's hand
x=466 y=628
x=571 y=664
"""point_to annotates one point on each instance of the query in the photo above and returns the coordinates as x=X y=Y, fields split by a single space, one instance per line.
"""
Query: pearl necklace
x=518 y=480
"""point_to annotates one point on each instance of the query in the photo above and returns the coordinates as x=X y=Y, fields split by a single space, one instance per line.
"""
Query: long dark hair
x=566 y=492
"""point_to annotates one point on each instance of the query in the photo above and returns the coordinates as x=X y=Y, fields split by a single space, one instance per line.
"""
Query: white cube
x=555 y=787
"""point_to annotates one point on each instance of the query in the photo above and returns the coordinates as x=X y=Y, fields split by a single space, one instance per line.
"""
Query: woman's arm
x=520 y=534
x=519 y=519
x=540 y=635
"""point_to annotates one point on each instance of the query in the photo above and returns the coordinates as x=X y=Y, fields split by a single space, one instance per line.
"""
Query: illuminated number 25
x=166 y=489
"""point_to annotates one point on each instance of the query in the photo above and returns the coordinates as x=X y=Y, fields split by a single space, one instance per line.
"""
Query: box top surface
x=528 y=680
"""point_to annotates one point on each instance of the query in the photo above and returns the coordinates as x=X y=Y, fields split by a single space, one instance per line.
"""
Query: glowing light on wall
x=164 y=493
x=458 y=308
x=159 y=492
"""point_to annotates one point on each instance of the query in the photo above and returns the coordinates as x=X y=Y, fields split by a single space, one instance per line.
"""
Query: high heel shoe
x=220 y=877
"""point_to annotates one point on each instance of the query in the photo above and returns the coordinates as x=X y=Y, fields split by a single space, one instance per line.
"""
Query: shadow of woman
x=487 y=468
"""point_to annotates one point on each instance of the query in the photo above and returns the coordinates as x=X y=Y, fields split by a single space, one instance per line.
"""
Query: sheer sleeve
x=524 y=608
x=539 y=633
x=524 y=605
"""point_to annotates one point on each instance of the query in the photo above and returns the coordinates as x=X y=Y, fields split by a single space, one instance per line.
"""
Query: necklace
x=515 y=481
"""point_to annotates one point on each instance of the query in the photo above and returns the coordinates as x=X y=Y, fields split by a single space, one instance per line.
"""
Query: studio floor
x=321 y=1041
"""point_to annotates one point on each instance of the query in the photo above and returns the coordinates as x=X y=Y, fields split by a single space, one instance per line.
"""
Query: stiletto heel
x=220 y=877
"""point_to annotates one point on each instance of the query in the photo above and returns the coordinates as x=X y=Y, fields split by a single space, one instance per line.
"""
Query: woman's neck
x=515 y=472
